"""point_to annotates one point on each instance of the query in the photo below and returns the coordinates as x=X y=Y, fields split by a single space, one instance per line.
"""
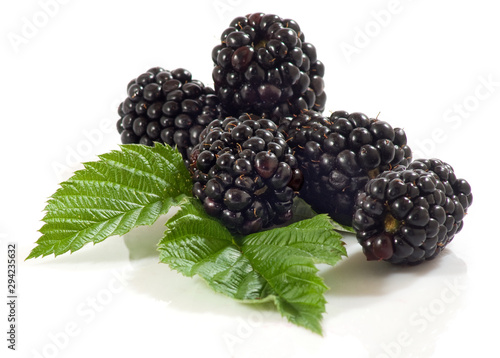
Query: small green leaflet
x=276 y=265
x=123 y=190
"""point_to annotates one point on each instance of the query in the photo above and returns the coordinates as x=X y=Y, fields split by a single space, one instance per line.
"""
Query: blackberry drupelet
x=339 y=154
x=167 y=107
x=409 y=214
x=244 y=173
x=264 y=66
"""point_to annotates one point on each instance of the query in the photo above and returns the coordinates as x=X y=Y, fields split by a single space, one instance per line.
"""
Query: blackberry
x=339 y=154
x=264 y=66
x=244 y=173
x=409 y=214
x=167 y=107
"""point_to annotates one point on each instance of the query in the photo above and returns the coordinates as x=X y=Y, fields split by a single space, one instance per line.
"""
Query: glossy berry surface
x=245 y=174
x=264 y=66
x=167 y=107
x=409 y=214
x=339 y=154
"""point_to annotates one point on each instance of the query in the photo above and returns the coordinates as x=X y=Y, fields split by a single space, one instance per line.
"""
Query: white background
x=430 y=67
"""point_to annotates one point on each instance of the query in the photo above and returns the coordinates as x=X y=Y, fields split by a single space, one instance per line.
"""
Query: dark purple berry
x=412 y=225
x=167 y=107
x=266 y=164
x=339 y=154
x=245 y=173
x=263 y=66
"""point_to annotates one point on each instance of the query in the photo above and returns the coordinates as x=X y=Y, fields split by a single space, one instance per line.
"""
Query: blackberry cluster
x=259 y=139
x=409 y=214
x=245 y=174
x=264 y=66
x=167 y=107
x=339 y=154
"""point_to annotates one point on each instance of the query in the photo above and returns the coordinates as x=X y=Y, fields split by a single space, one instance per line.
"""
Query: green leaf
x=277 y=264
x=126 y=188
x=302 y=210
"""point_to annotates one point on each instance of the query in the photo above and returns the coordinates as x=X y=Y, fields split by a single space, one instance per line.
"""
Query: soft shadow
x=142 y=242
x=192 y=294
x=355 y=276
x=377 y=302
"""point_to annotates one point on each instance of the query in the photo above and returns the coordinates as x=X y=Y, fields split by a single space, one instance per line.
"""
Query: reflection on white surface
x=383 y=310
x=394 y=311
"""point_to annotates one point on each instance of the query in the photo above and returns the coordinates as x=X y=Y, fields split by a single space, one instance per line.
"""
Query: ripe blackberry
x=167 y=107
x=339 y=154
x=409 y=214
x=263 y=66
x=244 y=173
